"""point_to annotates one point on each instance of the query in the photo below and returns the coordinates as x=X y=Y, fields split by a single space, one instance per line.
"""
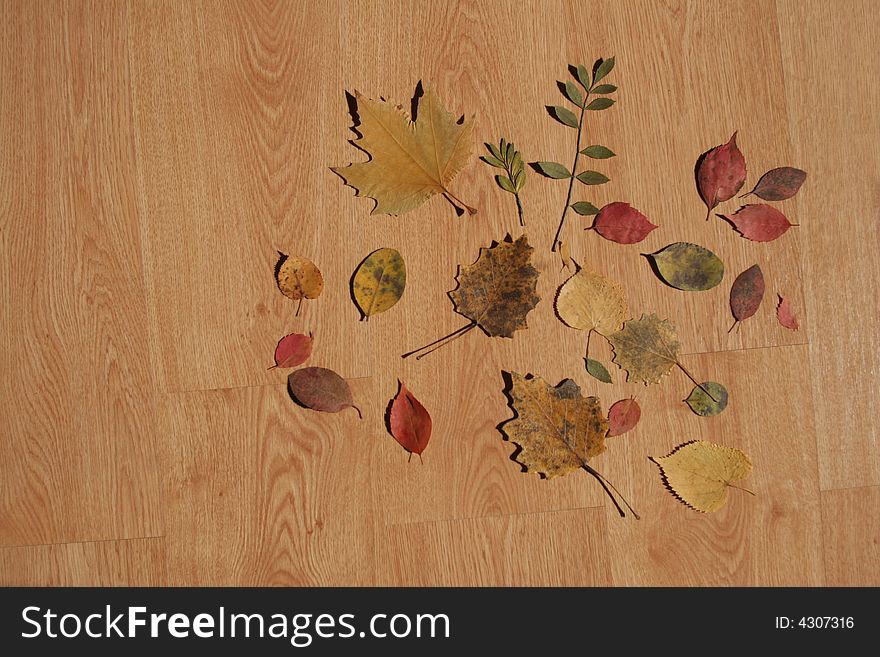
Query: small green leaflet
x=603 y=89
x=573 y=93
x=552 y=170
x=592 y=178
x=584 y=208
x=702 y=404
x=598 y=152
x=564 y=115
x=600 y=104
x=597 y=370
x=603 y=69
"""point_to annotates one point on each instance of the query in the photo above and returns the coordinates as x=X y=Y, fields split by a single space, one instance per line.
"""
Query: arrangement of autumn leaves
x=557 y=429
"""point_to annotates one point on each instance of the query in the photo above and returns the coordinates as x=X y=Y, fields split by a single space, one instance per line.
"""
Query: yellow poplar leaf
x=410 y=160
x=588 y=301
x=646 y=348
x=379 y=281
x=699 y=473
x=556 y=428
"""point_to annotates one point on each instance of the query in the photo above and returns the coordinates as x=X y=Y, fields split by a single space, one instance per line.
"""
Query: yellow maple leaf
x=410 y=160
x=699 y=473
x=590 y=302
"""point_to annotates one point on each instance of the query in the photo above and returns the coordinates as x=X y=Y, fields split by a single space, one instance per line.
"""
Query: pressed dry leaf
x=498 y=290
x=688 y=267
x=590 y=302
x=702 y=404
x=759 y=222
x=785 y=315
x=293 y=350
x=746 y=293
x=410 y=422
x=298 y=278
x=565 y=254
x=647 y=348
x=379 y=282
x=720 y=174
x=556 y=428
x=620 y=222
x=699 y=473
x=321 y=390
x=597 y=370
x=779 y=184
x=410 y=161
x=623 y=416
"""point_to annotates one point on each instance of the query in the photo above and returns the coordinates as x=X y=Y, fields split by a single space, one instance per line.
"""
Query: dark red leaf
x=747 y=293
x=320 y=389
x=623 y=416
x=785 y=315
x=622 y=223
x=759 y=222
x=293 y=350
x=721 y=173
x=410 y=422
x=779 y=184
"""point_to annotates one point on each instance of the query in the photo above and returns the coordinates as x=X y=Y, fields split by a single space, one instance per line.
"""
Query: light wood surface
x=157 y=156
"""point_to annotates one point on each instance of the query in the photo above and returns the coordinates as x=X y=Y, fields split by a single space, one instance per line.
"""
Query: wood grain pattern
x=156 y=157
x=79 y=439
x=132 y=562
x=851 y=523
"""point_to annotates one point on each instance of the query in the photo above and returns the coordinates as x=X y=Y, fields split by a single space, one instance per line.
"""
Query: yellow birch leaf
x=699 y=473
x=379 y=282
x=588 y=301
x=410 y=160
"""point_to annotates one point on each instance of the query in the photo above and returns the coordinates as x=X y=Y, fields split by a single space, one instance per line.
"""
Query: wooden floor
x=157 y=156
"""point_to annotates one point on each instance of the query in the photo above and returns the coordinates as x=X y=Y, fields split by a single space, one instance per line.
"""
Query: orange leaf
x=410 y=422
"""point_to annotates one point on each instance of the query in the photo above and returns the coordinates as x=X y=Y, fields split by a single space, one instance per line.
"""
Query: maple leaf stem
x=696 y=383
x=440 y=342
x=577 y=154
x=606 y=484
x=454 y=199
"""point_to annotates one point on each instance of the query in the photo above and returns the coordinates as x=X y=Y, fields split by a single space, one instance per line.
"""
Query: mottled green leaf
x=600 y=104
x=564 y=116
x=702 y=404
x=583 y=76
x=585 y=208
x=604 y=89
x=573 y=93
x=598 y=152
x=592 y=178
x=492 y=161
x=552 y=170
x=597 y=370
x=603 y=69
x=505 y=184
x=687 y=266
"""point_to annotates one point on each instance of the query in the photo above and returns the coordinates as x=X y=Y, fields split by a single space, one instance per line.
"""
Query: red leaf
x=721 y=173
x=747 y=293
x=320 y=389
x=410 y=422
x=293 y=350
x=759 y=222
x=623 y=416
x=785 y=315
x=622 y=223
x=779 y=184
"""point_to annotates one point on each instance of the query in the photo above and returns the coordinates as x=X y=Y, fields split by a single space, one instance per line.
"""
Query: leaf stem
x=696 y=383
x=519 y=210
x=589 y=334
x=577 y=154
x=605 y=484
x=440 y=342
x=743 y=489
x=299 y=306
x=454 y=199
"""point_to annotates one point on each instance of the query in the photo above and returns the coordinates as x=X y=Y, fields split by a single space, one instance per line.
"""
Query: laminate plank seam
x=492 y=517
x=848 y=488
x=100 y=540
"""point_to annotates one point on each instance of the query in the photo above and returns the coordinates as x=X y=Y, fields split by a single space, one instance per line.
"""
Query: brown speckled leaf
x=557 y=429
x=498 y=290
